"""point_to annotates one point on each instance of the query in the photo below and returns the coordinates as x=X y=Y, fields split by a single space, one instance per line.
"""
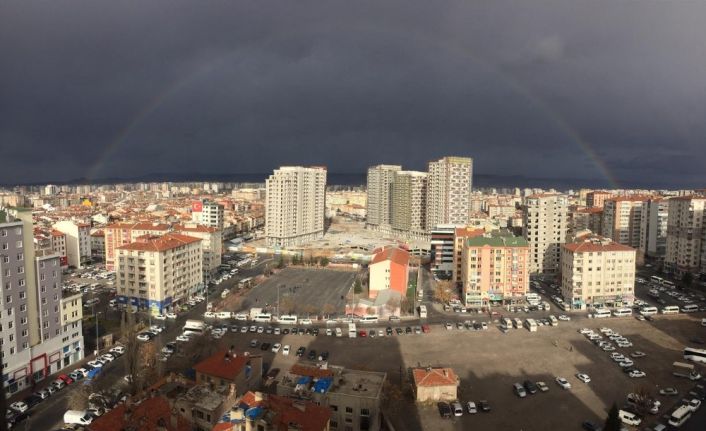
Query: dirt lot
x=489 y=362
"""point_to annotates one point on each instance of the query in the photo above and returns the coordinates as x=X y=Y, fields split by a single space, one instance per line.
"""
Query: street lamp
x=95 y=316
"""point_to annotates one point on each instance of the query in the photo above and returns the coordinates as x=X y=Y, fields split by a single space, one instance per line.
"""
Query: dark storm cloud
x=120 y=89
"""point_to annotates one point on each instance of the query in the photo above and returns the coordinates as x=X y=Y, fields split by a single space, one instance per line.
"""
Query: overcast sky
x=554 y=89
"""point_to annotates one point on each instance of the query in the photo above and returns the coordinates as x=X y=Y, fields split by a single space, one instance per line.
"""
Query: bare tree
x=643 y=399
x=286 y=305
x=328 y=309
x=310 y=309
x=443 y=291
x=370 y=311
x=405 y=305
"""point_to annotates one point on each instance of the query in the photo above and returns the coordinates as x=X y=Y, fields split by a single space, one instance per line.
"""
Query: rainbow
x=155 y=102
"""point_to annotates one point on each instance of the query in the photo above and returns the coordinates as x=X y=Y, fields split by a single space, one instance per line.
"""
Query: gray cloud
x=98 y=88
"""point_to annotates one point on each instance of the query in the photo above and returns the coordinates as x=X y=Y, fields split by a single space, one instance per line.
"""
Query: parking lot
x=303 y=289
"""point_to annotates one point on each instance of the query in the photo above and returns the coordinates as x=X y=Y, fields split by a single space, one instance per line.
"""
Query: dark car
x=308 y=331
x=315 y=332
x=301 y=331
x=388 y=331
x=590 y=426
x=323 y=356
x=399 y=331
x=269 y=330
x=265 y=346
x=408 y=330
x=300 y=351
x=285 y=331
x=312 y=354
x=484 y=406
x=530 y=386
x=444 y=409
x=295 y=331
x=17 y=418
x=254 y=343
x=32 y=401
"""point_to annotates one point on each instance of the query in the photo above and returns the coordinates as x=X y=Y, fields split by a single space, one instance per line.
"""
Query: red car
x=426 y=329
x=66 y=379
x=362 y=333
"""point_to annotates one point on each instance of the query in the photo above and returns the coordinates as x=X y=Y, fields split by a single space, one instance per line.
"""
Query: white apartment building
x=208 y=213
x=545 y=222
x=379 y=200
x=295 y=205
x=596 y=271
x=409 y=192
x=653 y=227
x=158 y=272
x=448 y=191
x=686 y=236
x=211 y=245
x=78 y=241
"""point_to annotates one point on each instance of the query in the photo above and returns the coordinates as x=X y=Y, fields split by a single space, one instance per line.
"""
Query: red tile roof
x=139 y=226
x=434 y=377
x=394 y=254
x=595 y=243
x=194 y=228
x=218 y=366
x=466 y=232
x=159 y=243
x=149 y=415
x=308 y=415
x=55 y=232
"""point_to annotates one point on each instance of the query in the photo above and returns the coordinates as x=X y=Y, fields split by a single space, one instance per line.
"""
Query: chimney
x=446 y=373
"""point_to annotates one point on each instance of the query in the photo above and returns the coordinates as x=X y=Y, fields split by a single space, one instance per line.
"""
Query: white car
x=82 y=371
x=260 y=330
x=638 y=354
x=471 y=407
x=563 y=383
x=276 y=347
x=277 y=331
x=636 y=374
x=171 y=316
x=160 y=317
x=694 y=404
x=305 y=322
x=108 y=357
x=564 y=317
x=95 y=364
x=244 y=329
x=183 y=338
x=583 y=377
x=329 y=331
x=156 y=329
x=626 y=363
x=118 y=350
x=19 y=406
x=209 y=315
x=585 y=331
x=285 y=350
x=143 y=337
x=448 y=326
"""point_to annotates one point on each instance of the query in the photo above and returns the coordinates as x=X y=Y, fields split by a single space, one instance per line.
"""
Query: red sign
x=64 y=260
x=197 y=207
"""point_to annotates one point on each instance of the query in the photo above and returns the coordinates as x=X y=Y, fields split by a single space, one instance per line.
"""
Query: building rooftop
x=594 y=243
x=224 y=365
x=429 y=377
x=139 y=226
x=152 y=414
x=279 y=412
x=497 y=239
x=193 y=227
x=159 y=243
x=394 y=254
x=305 y=379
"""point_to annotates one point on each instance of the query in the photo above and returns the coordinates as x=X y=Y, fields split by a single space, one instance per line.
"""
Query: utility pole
x=95 y=316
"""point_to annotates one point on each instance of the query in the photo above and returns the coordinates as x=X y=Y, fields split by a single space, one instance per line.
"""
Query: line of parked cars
x=455 y=408
x=605 y=338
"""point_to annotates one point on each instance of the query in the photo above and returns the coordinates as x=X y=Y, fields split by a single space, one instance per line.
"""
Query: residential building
x=204 y=405
x=622 y=219
x=379 y=200
x=596 y=272
x=449 y=191
x=442 y=251
x=295 y=205
x=435 y=384
x=78 y=242
x=353 y=396
x=409 y=190
x=158 y=272
x=211 y=245
x=125 y=233
x=653 y=228
x=545 y=226
x=267 y=412
x=98 y=245
x=686 y=236
x=151 y=414
x=460 y=236
x=58 y=245
x=596 y=198
x=582 y=219
x=225 y=368
x=35 y=338
x=389 y=270
x=495 y=269
x=208 y=213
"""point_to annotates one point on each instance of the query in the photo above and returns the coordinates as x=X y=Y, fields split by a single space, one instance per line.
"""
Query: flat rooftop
x=345 y=381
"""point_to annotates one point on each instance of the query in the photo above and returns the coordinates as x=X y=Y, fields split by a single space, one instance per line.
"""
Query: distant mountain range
x=356 y=179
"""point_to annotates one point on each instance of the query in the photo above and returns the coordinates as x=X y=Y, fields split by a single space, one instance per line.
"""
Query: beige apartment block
x=295 y=205
x=409 y=193
x=379 y=200
x=596 y=271
x=449 y=191
x=622 y=220
x=158 y=272
x=686 y=236
x=119 y=234
x=545 y=222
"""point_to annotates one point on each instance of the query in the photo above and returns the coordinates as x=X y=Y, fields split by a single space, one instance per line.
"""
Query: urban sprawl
x=415 y=301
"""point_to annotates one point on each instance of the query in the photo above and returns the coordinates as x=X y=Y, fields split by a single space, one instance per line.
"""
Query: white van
x=629 y=418
x=339 y=332
x=78 y=417
x=679 y=416
x=224 y=315
x=670 y=309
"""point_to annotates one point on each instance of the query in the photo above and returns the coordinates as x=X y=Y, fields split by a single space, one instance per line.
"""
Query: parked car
x=471 y=408
x=19 y=406
x=285 y=350
x=668 y=391
x=583 y=377
x=484 y=406
x=444 y=409
x=563 y=383
x=457 y=408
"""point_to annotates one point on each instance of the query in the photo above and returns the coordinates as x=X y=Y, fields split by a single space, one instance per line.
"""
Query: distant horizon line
x=486 y=180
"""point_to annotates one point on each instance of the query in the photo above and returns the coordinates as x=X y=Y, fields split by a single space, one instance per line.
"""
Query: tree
x=370 y=311
x=280 y=262
x=357 y=287
x=323 y=261
x=310 y=309
x=295 y=260
x=328 y=309
x=643 y=399
x=393 y=303
x=442 y=291
x=687 y=279
x=405 y=305
x=286 y=305
x=613 y=422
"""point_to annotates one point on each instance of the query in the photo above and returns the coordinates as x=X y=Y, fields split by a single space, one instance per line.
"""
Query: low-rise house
x=435 y=384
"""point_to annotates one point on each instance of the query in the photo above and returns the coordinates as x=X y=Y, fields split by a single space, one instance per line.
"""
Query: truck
x=194 y=327
x=422 y=311
x=687 y=371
